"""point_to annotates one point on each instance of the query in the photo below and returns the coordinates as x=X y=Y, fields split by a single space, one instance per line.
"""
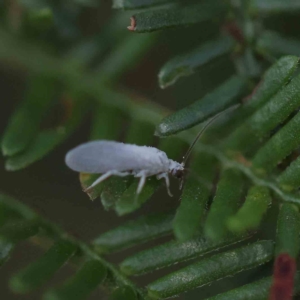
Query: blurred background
x=87 y=34
x=91 y=37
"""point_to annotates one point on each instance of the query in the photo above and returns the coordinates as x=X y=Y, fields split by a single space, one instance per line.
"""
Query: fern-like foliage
x=247 y=162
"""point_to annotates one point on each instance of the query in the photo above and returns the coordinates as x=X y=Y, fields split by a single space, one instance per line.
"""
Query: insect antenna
x=188 y=153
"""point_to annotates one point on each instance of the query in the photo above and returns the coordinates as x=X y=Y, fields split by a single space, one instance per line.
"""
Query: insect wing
x=104 y=156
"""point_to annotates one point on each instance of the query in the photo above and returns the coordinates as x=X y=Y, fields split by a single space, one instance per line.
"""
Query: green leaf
x=289 y=179
x=211 y=269
x=109 y=190
x=288 y=228
x=42 y=145
x=275 y=6
x=88 y=277
x=251 y=213
x=272 y=43
x=275 y=111
x=195 y=195
x=225 y=203
x=5 y=250
x=171 y=253
x=86 y=180
x=131 y=201
x=135 y=232
x=7 y=214
x=278 y=147
x=258 y=290
x=273 y=80
x=188 y=63
x=24 y=123
x=230 y=92
x=19 y=230
x=42 y=269
x=135 y=4
x=113 y=190
x=18 y=208
x=123 y=293
x=174 y=17
x=47 y=140
x=102 y=116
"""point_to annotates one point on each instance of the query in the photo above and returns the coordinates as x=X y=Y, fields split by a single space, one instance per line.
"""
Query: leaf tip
x=17 y=285
x=120 y=211
x=132 y=26
x=4 y=150
x=126 y=269
x=161 y=80
x=161 y=130
x=234 y=224
x=51 y=295
x=10 y=167
x=152 y=293
x=9 y=150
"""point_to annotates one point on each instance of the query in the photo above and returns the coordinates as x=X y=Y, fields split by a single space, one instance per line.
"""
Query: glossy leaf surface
x=175 y=17
x=276 y=77
x=196 y=191
x=278 y=147
x=275 y=111
x=288 y=227
x=252 y=211
x=211 y=269
x=224 y=96
x=289 y=179
x=135 y=232
x=258 y=290
x=225 y=203
x=171 y=253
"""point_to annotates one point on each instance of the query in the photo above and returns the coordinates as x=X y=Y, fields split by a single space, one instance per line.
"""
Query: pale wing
x=104 y=156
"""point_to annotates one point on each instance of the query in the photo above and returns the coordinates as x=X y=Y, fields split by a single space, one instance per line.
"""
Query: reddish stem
x=233 y=30
x=283 y=278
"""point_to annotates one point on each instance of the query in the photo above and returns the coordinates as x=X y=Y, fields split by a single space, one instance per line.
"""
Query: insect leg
x=166 y=177
x=143 y=176
x=105 y=176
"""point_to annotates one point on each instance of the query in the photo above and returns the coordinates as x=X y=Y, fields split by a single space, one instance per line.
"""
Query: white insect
x=114 y=158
